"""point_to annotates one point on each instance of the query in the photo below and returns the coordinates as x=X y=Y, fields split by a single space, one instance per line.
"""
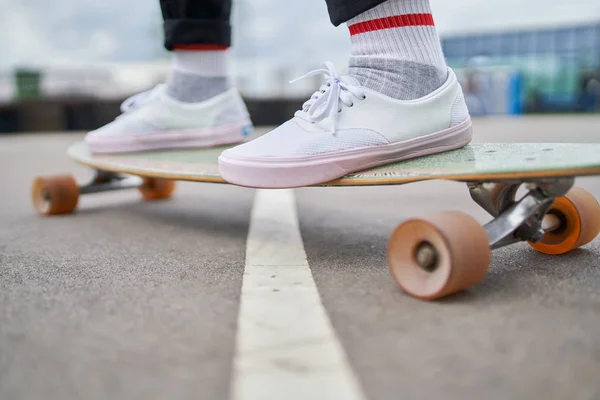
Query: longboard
x=429 y=257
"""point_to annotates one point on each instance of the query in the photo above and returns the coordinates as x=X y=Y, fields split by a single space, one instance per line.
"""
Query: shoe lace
x=326 y=102
x=137 y=100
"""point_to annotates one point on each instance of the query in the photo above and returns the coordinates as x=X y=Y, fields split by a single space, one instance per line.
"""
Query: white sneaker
x=345 y=127
x=153 y=120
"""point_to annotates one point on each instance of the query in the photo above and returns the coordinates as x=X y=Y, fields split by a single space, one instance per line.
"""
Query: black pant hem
x=196 y=32
x=340 y=11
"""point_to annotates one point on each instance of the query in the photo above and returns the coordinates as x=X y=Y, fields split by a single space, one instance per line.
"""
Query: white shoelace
x=138 y=99
x=325 y=102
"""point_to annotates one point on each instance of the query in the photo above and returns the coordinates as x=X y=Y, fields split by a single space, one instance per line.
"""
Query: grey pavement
x=126 y=299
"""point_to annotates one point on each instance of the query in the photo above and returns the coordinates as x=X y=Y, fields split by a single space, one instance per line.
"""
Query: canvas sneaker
x=345 y=127
x=153 y=120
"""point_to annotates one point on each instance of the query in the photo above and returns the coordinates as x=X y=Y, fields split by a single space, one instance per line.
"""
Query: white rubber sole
x=165 y=140
x=279 y=173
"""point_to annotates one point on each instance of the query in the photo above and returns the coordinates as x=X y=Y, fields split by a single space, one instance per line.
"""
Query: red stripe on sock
x=395 y=21
x=200 y=47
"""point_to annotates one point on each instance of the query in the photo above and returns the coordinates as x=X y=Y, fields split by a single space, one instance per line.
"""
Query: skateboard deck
x=485 y=161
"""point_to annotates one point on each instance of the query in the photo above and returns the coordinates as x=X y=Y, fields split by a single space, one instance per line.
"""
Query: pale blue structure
x=555 y=68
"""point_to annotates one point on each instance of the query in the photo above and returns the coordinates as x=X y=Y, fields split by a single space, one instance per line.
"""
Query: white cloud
x=23 y=42
x=44 y=32
x=477 y=15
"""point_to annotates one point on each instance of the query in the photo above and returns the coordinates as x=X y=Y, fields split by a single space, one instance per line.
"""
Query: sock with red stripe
x=197 y=75
x=396 y=49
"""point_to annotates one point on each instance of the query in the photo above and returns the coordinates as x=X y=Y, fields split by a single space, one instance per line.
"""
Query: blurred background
x=66 y=65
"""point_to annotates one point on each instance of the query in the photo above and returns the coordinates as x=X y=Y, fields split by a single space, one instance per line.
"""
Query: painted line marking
x=286 y=345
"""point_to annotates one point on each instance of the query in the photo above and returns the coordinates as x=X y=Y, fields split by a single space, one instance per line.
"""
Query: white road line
x=286 y=346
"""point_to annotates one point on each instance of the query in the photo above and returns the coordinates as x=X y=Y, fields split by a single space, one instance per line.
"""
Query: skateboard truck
x=522 y=220
x=444 y=253
x=514 y=221
x=105 y=181
x=60 y=194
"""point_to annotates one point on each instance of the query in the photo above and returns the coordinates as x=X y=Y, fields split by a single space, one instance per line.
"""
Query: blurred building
x=544 y=69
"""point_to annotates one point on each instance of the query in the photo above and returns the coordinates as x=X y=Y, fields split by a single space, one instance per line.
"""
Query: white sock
x=198 y=75
x=396 y=49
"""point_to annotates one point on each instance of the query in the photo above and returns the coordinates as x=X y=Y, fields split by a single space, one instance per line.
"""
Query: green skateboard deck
x=475 y=162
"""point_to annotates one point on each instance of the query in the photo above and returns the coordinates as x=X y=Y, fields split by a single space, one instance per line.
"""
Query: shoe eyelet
x=364 y=97
x=351 y=105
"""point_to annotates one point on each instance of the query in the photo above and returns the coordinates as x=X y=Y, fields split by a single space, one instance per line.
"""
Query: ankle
x=198 y=75
x=208 y=63
x=399 y=79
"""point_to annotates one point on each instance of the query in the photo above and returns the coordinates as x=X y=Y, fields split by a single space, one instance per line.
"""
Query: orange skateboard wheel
x=438 y=255
x=55 y=195
x=157 y=189
x=579 y=215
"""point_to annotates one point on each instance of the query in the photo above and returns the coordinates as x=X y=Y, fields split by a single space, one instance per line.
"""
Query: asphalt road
x=127 y=300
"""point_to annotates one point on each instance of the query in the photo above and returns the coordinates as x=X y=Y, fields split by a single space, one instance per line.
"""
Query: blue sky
x=84 y=31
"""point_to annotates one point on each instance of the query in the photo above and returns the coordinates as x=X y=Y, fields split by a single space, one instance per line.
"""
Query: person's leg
x=399 y=100
x=197 y=107
x=199 y=35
